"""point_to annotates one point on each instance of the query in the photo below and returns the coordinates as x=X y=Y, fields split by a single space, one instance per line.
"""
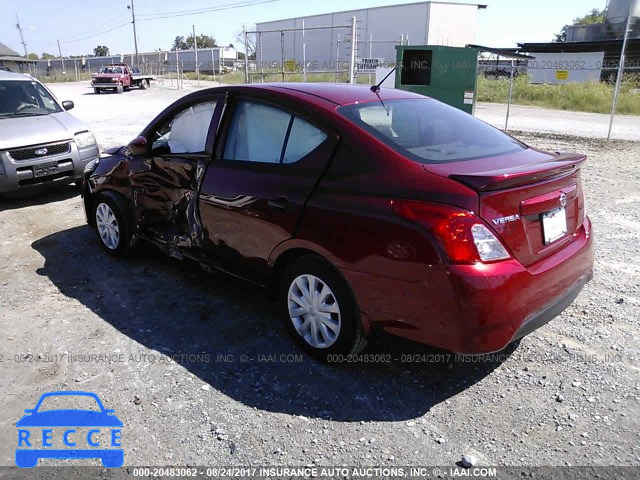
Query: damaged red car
x=362 y=210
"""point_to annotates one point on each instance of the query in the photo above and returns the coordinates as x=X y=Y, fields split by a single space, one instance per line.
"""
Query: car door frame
x=201 y=160
x=267 y=98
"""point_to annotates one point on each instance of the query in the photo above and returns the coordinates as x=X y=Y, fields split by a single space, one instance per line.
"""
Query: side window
x=303 y=139
x=257 y=133
x=186 y=132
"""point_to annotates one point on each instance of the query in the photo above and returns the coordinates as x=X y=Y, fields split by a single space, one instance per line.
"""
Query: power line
x=97 y=34
x=184 y=13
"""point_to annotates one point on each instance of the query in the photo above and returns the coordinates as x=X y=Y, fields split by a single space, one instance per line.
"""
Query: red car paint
x=365 y=208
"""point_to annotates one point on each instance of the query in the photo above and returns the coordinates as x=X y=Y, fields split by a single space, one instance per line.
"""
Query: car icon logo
x=41 y=151
x=69 y=433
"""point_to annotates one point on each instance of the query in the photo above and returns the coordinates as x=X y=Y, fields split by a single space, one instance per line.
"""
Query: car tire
x=113 y=223
x=119 y=89
x=328 y=320
x=143 y=85
x=96 y=91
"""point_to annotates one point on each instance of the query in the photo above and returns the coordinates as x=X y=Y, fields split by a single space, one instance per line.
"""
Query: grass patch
x=593 y=97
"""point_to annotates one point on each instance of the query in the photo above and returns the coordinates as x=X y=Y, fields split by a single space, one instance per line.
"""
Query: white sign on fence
x=369 y=65
x=565 y=67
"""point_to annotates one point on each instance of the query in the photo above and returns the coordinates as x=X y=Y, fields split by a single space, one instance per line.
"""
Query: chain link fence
x=561 y=93
x=165 y=65
x=319 y=53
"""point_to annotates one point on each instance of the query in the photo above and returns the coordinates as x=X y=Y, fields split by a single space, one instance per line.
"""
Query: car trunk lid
x=533 y=200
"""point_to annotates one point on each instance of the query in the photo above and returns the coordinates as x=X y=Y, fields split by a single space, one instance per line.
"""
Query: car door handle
x=280 y=203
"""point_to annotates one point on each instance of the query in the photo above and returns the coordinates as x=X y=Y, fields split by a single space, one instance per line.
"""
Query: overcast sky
x=80 y=25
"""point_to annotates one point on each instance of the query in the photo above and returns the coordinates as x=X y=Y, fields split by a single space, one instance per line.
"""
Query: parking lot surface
x=201 y=372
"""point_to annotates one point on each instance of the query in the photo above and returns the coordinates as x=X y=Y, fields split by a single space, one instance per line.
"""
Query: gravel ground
x=200 y=371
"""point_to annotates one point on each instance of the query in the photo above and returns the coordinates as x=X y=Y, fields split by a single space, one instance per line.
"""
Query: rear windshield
x=428 y=131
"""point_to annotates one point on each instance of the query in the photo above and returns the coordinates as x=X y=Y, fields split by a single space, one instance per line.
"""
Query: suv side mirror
x=68 y=105
x=138 y=146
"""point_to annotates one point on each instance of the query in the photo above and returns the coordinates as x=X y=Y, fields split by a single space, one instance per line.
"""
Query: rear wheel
x=113 y=226
x=96 y=91
x=143 y=84
x=320 y=310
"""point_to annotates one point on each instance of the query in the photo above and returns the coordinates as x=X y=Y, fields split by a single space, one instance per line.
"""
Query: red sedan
x=360 y=210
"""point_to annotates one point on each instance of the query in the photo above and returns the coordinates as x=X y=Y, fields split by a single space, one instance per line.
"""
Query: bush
x=594 y=97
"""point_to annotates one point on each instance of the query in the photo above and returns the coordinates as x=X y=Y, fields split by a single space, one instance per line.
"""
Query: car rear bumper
x=18 y=175
x=477 y=309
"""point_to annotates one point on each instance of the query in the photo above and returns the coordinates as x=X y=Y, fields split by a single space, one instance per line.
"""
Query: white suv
x=40 y=143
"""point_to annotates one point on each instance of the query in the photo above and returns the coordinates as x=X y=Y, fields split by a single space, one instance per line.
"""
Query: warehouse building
x=378 y=31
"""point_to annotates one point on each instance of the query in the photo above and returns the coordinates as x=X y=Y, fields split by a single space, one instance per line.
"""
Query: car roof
x=4 y=75
x=338 y=93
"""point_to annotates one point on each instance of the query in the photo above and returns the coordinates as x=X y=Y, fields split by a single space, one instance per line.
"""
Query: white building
x=379 y=29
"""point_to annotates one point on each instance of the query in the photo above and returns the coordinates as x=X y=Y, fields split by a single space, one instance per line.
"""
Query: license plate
x=45 y=169
x=554 y=225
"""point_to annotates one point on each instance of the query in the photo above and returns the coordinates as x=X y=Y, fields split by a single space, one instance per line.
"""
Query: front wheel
x=96 y=91
x=119 y=89
x=112 y=223
x=143 y=84
x=320 y=310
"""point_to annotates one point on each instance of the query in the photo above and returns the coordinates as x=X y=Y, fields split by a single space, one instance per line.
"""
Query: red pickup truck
x=120 y=77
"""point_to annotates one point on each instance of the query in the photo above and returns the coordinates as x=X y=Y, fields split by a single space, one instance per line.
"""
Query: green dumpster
x=448 y=74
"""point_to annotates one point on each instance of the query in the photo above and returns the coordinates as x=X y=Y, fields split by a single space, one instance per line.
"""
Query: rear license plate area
x=554 y=225
x=45 y=169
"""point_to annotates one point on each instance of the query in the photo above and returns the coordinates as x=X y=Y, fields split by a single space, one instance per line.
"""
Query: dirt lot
x=201 y=372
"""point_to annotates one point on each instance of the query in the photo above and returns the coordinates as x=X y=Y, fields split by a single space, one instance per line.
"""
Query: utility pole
x=195 y=50
x=21 y=36
x=61 y=59
x=135 y=36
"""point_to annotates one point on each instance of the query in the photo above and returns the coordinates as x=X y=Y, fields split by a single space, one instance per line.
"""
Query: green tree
x=47 y=56
x=101 y=51
x=591 y=18
x=33 y=56
x=204 y=41
x=179 y=43
x=251 y=43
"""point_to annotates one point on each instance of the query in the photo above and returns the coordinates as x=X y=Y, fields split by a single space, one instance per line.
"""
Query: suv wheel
x=112 y=224
x=119 y=89
x=319 y=309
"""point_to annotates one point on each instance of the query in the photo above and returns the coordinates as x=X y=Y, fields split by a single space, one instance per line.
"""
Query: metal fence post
x=616 y=92
x=259 y=47
x=246 y=55
x=304 y=55
x=282 y=52
x=506 y=121
x=338 y=59
x=352 y=61
x=177 y=70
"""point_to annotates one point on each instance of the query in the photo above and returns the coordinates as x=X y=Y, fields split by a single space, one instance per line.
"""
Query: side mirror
x=138 y=146
x=68 y=105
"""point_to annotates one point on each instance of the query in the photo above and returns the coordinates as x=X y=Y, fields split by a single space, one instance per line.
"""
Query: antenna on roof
x=376 y=88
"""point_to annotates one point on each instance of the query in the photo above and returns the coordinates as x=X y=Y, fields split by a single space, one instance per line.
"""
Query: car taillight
x=464 y=237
